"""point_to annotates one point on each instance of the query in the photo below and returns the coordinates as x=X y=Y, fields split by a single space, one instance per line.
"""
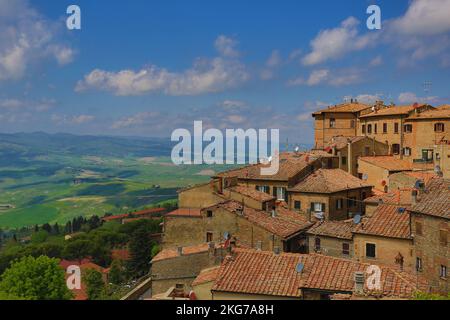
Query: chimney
x=180 y=251
x=360 y=279
x=414 y=197
x=276 y=250
x=259 y=245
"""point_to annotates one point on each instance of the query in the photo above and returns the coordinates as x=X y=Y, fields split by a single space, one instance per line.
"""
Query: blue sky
x=145 y=68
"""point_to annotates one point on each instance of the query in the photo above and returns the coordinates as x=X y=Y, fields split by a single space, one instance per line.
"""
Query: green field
x=56 y=187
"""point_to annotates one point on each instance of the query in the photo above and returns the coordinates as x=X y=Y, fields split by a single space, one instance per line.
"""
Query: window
x=396 y=127
x=281 y=194
x=209 y=214
x=297 y=205
x=384 y=127
x=363 y=129
x=419 y=228
x=418 y=264
x=339 y=204
x=367 y=151
x=369 y=129
x=317 y=244
x=265 y=189
x=332 y=123
x=344 y=161
x=427 y=154
x=317 y=207
x=375 y=128
x=439 y=127
x=407 y=151
x=396 y=148
x=407 y=128
x=443 y=237
x=351 y=202
x=443 y=271
x=209 y=237
x=345 y=249
x=370 y=250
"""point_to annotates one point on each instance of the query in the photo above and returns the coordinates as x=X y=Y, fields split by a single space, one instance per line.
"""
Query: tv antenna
x=427 y=85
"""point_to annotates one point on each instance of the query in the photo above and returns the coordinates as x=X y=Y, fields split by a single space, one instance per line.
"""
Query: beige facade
x=200 y=196
x=331 y=246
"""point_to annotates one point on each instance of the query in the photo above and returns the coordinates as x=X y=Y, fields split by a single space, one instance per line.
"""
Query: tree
x=140 y=252
x=47 y=228
x=35 y=279
x=77 y=249
x=430 y=296
x=116 y=273
x=68 y=227
x=36 y=228
x=39 y=237
x=95 y=286
x=55 y=228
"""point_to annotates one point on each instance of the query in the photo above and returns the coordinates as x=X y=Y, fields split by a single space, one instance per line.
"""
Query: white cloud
x=205 y=76
x=334 y=43
x=227 y=46
x=72 y=120
x=135 y=120
x=335 y=78
x=274 y=59
x=369 y=98
x=410 y=97
x=377 y=61
x=26 y=37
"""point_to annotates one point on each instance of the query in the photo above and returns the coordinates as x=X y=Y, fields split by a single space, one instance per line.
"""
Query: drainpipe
x=349 y=158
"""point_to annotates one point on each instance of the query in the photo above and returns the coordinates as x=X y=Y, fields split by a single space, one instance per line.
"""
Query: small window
x=419 y=231
x=332 y=123
x=281 y=194
x=396 y=148
x=345 y=249
x=317 y=244
x=369 y=129
x=418 y=264
x=363 y=129
x=375 y=129
x=209 y=214
x=344 y=161
x=317 y=207
x=443 y=237
x=351 y=202
x=407 y=152
x=297 y=205
x=209 y=237
x=385 y=127
x=339 y=204
x=370 y=250
x=443 y=271
x=408 y=128
x=396 y=127
x=439 y=127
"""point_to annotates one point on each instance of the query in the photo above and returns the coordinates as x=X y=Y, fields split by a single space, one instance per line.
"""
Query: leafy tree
x=35 y=279
x=116 y=273
x=39 y=237
x=140 y=252
x=155 y=250
x=94 y=284
x=77 y=249
x=430 y=296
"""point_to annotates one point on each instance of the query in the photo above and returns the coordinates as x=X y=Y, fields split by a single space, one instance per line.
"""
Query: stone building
x=333 y=193
x=430 y=223
x=338 y=120
x=385 y=238
x=263 y=275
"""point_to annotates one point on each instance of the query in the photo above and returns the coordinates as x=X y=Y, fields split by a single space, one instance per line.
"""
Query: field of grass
x=56 y=188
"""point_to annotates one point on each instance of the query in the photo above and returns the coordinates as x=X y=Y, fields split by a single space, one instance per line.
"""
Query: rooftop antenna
x=427 y=85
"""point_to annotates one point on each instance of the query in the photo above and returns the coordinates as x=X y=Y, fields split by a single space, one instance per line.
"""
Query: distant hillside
x=27 y=145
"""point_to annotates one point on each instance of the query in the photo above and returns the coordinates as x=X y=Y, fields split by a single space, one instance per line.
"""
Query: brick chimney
x=360 y=279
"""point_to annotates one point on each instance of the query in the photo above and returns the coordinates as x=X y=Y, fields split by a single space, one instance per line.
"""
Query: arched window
x=369 y=128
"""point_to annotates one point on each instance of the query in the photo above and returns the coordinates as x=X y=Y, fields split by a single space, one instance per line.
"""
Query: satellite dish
x=226 y=235
x=419 y=184
x=401 y=210
x=357 y=219
x=365 y=177
x=437 y=169
x=299 y=268
x=297 y=149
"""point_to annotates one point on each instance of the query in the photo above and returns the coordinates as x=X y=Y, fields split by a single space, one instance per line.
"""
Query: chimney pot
x=276 y=250
x=360 y=279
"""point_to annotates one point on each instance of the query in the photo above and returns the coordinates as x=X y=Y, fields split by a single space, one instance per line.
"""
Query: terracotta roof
x=334 y=229
x=387 y=221
x=397 y=197
x=251 y=192
x=444 y=107
x=329 y=181
x=389 y=163
x=135 y=214
x=441 y=113
x=425 y=176
x=171 y=253
x=345 y=107
x=290 y=164
x=392 y=111
x=435 y=201
x=285 y=224
x=185 y=212
x=266 y=273
x=341 y=142
x=120 y=254
x=206 y=275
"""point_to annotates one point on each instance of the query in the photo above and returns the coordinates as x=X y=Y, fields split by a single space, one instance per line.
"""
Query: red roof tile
x=334 y=229
x=171 y=253
x=389 y=163
x=206 y=275
x=395 y=110
x=135 y=214
x=345 y=107
x=251 y=192
x=400 y=197
x=185 y=212
x=435 y=201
